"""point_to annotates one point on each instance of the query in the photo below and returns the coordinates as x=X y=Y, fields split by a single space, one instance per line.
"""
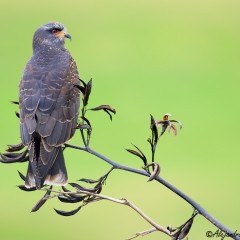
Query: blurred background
x=145 y=57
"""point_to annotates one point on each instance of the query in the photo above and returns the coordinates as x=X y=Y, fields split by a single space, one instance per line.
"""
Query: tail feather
x=45 y=167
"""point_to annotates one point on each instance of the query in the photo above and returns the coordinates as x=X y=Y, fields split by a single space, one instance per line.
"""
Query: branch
x=195 y=205
x=119 y=201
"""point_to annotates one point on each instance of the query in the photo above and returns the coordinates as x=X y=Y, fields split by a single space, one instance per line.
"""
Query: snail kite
x=49 y=105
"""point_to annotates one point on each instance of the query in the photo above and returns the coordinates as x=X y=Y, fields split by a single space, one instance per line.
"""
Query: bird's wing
x=57 y=112
x=49 y=104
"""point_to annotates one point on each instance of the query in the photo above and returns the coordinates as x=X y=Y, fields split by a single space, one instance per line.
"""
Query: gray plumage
x=49 y=105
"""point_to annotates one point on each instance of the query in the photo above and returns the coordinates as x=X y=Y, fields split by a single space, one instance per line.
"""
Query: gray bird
x=49 y=105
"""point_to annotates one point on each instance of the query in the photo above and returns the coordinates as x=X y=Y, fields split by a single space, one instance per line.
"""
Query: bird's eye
x=55 y=31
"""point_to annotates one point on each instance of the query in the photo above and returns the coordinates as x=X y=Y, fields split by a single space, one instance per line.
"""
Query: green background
x=154 y=56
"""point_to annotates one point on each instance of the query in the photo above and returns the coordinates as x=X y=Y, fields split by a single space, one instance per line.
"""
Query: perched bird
x=49 y=105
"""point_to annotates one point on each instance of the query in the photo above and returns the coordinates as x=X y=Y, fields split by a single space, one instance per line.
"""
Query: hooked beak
x=67 y=35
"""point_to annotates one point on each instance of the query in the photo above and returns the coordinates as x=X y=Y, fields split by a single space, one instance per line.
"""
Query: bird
x=49 y=102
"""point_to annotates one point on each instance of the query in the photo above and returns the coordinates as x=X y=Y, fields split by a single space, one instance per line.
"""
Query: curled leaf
x=104 y=107
x=12 y=157
x=81 y=88
x=15 y=148
x=180 y=124
x=40 y=203
x=67 y=213
x=155 y=172
x=71 y=199
x=24 y=188
x=173 y=128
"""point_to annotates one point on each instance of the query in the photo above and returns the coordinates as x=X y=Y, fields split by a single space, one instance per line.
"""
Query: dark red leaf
x=104 y=107
x=40 y=203
x=81 y=88
x=154 y=129
x=15 y=148
x=22 y=176
x=180 y=124
x=67 y=213
x=14 y=102
x=88 y=180
x=17 y=114
x=81 y=188
x=22 y=187
x=88 y=89
x=86 y=120
x=71 y=199
x=84 y=84
x=14 y=157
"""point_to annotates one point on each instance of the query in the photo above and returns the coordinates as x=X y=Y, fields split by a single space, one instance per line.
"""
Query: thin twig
x=143 y=233
x=120 y=201
x=195 y=205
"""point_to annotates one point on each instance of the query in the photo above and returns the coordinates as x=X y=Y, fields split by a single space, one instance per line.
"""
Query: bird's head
x=52 y=33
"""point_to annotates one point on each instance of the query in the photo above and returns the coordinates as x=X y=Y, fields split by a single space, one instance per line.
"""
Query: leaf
x=143 y=156
x=67 y=213
x=134 y=153
x=81 y=88
x=104 y=107
x=15 y=148
x=65 y=189
x=180 y=124
x=86 y=120
x=183 y=232
x=88 y=89
x=109 y=114
x=139 y=154
x=22 y=176
x=173 y=128
x=154 y=129
x=83 y=126
x=40 y=203
x=17 y=114
x=71 y=199
x=14 y=102
x=81 y=188
x=84 y=84
x=164 y=128
x=155 y=172
x=88 y=180
x=24 y=188
x=14 y=157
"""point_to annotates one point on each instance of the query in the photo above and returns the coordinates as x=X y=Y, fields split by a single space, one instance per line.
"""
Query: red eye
x=55 y=31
